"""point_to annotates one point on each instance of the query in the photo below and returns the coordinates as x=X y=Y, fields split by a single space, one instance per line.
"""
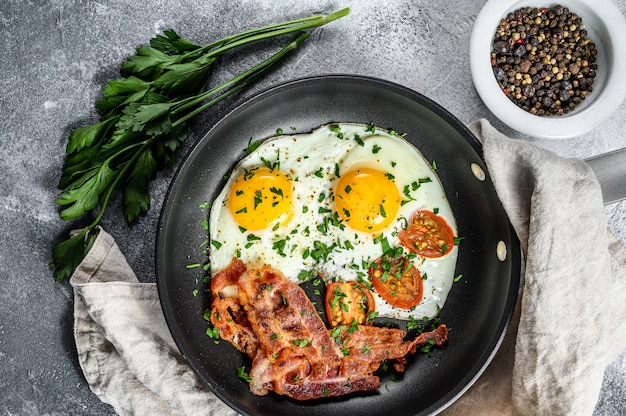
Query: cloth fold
x=567 y=327
x=124 y=346
x=564 y=332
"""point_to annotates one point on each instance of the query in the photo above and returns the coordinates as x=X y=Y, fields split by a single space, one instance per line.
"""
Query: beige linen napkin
x=565 y=332
x=124 y=346
x=570 y=320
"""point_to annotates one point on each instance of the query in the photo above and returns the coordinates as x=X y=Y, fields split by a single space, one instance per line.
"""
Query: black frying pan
x=478 y=308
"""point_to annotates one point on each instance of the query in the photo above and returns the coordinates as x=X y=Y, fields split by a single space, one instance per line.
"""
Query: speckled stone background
x=57 y=54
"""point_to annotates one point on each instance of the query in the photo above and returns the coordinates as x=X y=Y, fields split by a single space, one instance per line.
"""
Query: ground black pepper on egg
x=543 y=60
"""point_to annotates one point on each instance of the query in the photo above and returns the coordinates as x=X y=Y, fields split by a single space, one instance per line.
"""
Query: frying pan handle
x=610 y=169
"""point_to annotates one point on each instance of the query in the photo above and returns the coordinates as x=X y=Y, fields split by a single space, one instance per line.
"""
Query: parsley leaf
x=136 y=198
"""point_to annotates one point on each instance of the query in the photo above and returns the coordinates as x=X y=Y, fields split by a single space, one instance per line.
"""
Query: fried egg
x=327 y=203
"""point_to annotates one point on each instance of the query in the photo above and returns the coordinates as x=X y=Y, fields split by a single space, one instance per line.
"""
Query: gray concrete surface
x=55 y=57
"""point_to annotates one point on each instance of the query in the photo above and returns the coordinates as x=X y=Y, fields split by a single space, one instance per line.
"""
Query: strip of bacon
x=298 y=358
x=293 y=353
x=379 y=343
x=227 y=315
x=314 y=389
x=374 y=344
x=227 y=277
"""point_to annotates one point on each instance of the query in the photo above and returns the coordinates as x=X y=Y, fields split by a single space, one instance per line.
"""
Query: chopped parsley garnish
x=336 y=332
x=371 y=316
x=272 y=165
x=414 y=324
x=214 y=334
x=335 y=128
x=253 y=145
x=241 y=373
x=383 y=213
x=323 y=227
x=354 y=326
x=406 y=191
x=277 y=191
x=321 y=250
x=248 y=174
x=258 y=198
x=279 y=246
x=300 y=342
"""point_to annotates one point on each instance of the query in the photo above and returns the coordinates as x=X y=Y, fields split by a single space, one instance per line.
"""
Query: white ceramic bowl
x=606 y=27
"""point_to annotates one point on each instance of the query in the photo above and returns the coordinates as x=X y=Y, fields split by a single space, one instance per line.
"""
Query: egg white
x=314 y=161
x=310 y=161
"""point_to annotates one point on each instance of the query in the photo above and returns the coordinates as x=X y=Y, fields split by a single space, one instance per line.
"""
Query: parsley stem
x=239 y=82
x=267 y=32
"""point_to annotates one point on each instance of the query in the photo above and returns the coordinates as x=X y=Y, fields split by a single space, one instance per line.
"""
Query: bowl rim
x=592 y=112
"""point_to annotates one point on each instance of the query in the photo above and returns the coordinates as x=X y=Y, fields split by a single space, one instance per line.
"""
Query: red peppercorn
x=519 y=41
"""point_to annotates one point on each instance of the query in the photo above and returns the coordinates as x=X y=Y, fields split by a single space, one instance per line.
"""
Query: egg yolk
x=367 y=199
x=260 y=198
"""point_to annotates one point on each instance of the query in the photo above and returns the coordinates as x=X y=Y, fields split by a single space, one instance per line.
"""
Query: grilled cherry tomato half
x=428 y=235
x=397 y=281
x=348 y=301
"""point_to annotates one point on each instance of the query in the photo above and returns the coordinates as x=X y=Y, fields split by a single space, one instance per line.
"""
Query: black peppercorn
x=543 y=60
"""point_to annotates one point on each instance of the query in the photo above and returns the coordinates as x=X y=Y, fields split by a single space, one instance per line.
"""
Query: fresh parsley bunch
x=144 y=120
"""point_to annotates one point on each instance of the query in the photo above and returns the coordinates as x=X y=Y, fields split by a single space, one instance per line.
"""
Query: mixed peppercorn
x=543 y=60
